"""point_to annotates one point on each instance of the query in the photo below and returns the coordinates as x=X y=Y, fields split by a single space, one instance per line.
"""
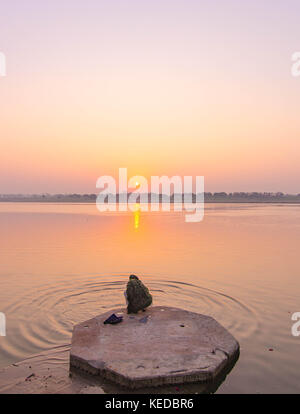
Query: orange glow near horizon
x=172 y=101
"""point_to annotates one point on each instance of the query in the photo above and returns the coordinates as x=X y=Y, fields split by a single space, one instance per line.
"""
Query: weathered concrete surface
x=160 y=346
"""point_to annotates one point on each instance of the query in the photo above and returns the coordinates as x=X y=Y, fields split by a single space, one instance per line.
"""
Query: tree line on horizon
x=207 y=196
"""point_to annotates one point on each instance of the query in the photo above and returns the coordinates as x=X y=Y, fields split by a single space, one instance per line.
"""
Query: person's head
x=133 y=277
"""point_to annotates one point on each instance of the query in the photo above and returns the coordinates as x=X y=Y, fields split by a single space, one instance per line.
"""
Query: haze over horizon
x=162 y=88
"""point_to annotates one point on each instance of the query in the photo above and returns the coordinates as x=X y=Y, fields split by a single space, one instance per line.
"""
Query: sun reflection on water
x=137 y=212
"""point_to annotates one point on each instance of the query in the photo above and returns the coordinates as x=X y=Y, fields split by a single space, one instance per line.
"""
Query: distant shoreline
x=205 y=202
x=231 y=198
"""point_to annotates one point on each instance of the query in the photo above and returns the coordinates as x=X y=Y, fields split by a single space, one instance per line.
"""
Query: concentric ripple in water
x=44 y=317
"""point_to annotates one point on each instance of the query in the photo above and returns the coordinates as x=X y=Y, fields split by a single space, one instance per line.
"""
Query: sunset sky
x=174 y=87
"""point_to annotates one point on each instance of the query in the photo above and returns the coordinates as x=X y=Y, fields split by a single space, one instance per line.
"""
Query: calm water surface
x=64 y=263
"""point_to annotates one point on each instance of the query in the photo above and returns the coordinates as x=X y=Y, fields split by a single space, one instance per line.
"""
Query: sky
x=162 y=87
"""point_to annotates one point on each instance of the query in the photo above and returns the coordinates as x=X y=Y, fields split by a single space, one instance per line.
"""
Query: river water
x=61 y=264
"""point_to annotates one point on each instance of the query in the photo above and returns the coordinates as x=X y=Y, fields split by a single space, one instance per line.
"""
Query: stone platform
x=160 y=346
